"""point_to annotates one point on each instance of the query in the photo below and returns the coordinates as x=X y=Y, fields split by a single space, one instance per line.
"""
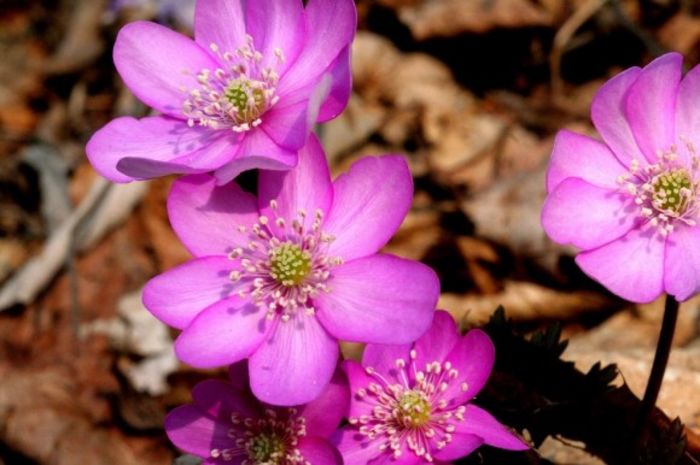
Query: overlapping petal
x=473 y=357
x=682 y=263
x=479 y=422
x=220 y=22
x=277 y=25
x=323 y=414
x=319 y=451
x=192 y=431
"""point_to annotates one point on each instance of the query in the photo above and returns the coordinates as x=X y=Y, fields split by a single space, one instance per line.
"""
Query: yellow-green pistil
x=238 y=94
x=414 y=409
x=266 y=448
x=289 y=265
x=670 y=190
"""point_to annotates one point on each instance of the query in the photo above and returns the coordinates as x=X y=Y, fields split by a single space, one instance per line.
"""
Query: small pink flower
x=280 y=278
x=630 y=202
x=409 y=404
x=226 y=424
x=243 y=94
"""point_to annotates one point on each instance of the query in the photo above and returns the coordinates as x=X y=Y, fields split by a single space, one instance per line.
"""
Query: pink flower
x=630 y=202
x=226 y=424
x=244 y=94
x=409 y=404
x=280 y=278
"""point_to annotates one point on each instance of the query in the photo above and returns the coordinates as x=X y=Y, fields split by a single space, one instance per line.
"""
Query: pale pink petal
x=177 y=296
x=323 y=414
x=319 y=451
x=607 y=113
x=358 y=379
x=473 y=358
x=438 y=341
x=295 y=363
x=578 y=156
x=224 y=333
x=479 y=422
x=370 y=201
x=631 y=267
x=194 y=432
x=460 y=446
x=127 y=149
x=682 y=264
x=688 y=113
x=341 y=87
x=306 y=187
x=380 y=298
x=220 y=399
x=330 y=27
x=587 y=216
x=651 y=104
x=206 y=216
x=276 y=24
x=159 y=66
x=220 y=22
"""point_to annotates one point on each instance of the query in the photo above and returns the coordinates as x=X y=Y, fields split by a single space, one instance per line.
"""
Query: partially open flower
x=631 y=202
x=244 y=94
x=410 y=404
x=225 y=424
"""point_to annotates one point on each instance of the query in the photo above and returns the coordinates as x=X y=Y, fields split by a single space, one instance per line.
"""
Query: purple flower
x=225 y=424
x=409 y=404
x=280 y=278
x=244 y=94
x=630 y=202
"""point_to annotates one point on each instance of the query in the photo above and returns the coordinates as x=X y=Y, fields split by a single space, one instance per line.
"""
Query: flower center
x=413 y=409
x=672 y=190
x=235 y=96
x=266 y=448
x=289 y=265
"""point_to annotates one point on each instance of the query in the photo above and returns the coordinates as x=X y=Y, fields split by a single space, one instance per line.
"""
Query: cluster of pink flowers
x=278 y=278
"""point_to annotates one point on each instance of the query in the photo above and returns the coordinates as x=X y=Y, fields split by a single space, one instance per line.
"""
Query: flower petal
x=323 y=414
x=407 y=457
x=682 y=263
x=607 y=113
x=206 y=216
x=177 y=296
x=481 y=423
x=220 y=22
x=257 y=150
x=224 y=333
x=295 y=363
x=688 y=112
x=355 y=448
x=287 y=122
x=382 y=358
x=127 y=149
x=460 y=446
x=159 y=66
x=319 y=451
x=631 y=266
x=276 y=24
x=341 y=87
x=194 y=432
x=358 y=379
x=220 y=399
x=651 y=104
x=578 y=156
x=307 y=187
x=370 y=201
x=330 y=28
x=587 y=216
x=438 y=341
x=380 y=298
x=473 y=358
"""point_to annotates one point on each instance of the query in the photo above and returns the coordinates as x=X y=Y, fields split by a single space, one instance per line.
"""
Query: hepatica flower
x=243 y=94
x=631 y=201
x=410 y=404
x=281 y=277
x=225 y=424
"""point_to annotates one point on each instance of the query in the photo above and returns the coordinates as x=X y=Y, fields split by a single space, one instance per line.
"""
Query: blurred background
x=472 y=91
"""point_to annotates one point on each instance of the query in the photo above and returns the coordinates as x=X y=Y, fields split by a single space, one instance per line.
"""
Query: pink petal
x=307 y=187
x=238 y=375
x=578 y=156
x=369 y=204
x=177 y=296
x=358 y=379
x=319 y=451
x=127 y=149
x=382 y=358
x=607 y=113
x=220 y=22
x=380 y=298
x=276 y=24
x=220 y=399
x=287 y=122
x=631 y=267
x=355 y=448
x=682 y=264
x=295 y=364
x=587 y=216
x=257 y=150
x=460 y=446
x=479 y=422
x=341 y=87
x=473 y=358
x=194 y=432
x=323 y=414
x=224 y=333
x=330 y=27
x=438 y=341
x=688 y=113
x=206 y=216
x=407 y=457
x=651 y=104
x=159 y=66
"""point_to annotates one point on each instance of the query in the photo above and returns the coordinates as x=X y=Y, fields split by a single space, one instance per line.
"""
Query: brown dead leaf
x=681 y=33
